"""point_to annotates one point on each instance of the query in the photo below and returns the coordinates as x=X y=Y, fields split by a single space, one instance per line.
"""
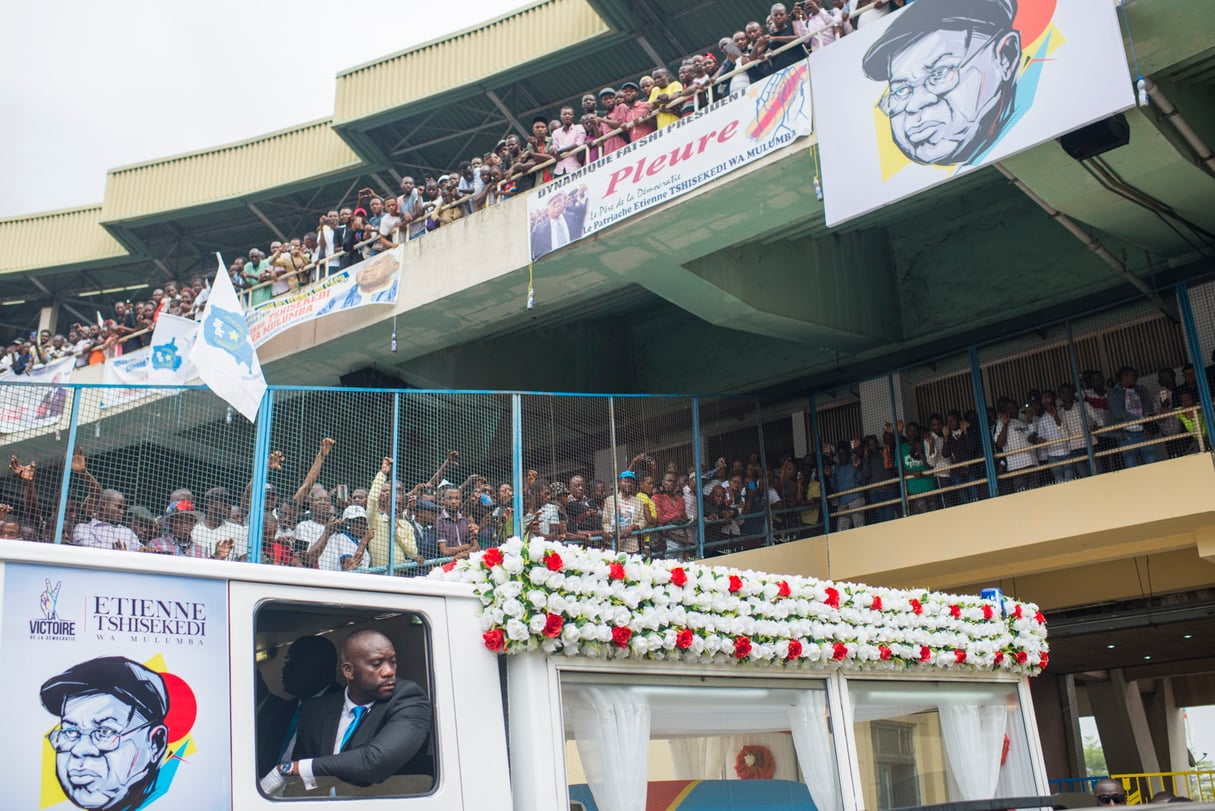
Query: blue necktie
x=358 y=711
x=292 y=725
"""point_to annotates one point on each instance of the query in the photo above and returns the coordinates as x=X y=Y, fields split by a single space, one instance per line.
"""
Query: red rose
x=742 y=647
x=621 y=636
x=916 y=606
x=678 y=576
x=960 y=655
x=999 y=657
x=553 y=561
x=683 y=639
x=833 y=598
x=876 y=605
x=987 y=612
x=838 y=651
x=925 y=653
x=1044 y=660
x=451 y=564
x=616 y=571
x=1017 y=612
x=795 y=649
x=782 y=589
x=495 y=640
x=553 y=625
x=956 y=611
x=1040 y=618
x=735 y=583
x=1020 y=657
x=884 y=652
x=492 y=557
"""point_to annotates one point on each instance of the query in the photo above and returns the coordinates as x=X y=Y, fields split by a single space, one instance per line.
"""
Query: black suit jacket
x=388 y=738
x=273 y=719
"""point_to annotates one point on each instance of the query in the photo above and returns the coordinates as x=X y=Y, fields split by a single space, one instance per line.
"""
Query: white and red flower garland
x=548 y=597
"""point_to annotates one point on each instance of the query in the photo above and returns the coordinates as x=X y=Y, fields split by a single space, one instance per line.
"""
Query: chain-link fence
x=398 y=481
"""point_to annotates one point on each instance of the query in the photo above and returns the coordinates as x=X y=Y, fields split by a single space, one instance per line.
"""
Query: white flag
x=172 y=342
x=224 y=353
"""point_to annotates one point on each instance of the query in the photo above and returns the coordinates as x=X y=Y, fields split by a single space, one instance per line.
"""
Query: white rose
x=513 y=564
x=536 y=623
x=516 y=631
x=512 y=608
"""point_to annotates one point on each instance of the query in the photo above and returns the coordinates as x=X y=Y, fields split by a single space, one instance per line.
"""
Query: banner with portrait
x=165 y=362
x=117 y=690
x=26 y=407
x=692 y=152
x=372 y=281
x=943 y=87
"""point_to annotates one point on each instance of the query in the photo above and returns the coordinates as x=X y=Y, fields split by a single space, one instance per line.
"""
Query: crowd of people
x=1055 y=436
x=605 y=121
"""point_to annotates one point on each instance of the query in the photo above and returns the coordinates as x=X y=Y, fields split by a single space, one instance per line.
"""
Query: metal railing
x=1198 y=785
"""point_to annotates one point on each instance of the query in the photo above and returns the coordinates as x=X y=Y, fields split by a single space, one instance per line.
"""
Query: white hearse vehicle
x=549 y=677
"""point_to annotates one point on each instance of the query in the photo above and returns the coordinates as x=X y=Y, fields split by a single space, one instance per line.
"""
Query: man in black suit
x=308 y=671
x=561 y=224
x=365 y=734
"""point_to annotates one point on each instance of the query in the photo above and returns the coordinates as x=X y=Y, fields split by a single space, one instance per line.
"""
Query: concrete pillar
x=1058 y=718
x=48 y=318
x=1122 y=725
x=1167 y=723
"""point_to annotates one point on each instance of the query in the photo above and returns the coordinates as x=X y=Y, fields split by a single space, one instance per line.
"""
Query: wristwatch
x=285 y=769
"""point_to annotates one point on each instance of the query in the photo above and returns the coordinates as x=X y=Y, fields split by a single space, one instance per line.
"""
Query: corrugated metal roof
x=470 y=56
x=279 y=159
x=55 y=239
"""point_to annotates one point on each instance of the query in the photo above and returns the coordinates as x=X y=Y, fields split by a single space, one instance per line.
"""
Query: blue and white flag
x=172 y=340
x=224 y=353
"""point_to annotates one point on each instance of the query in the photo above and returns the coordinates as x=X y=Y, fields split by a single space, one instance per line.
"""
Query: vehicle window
x=344 y=697
x=921 y=743
x=635 y=747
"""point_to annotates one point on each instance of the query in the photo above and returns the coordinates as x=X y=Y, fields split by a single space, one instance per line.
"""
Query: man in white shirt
x=215 y=526
x=1048 y=434
x=107 y=531
x=1073 y=414
x=1011 y=436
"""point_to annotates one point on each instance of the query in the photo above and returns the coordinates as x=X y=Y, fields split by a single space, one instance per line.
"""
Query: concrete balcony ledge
x=1165 y=507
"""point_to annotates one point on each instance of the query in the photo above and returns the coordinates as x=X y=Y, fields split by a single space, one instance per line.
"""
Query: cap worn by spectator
x=607 y=91
x=182 y=506
x=129 y=682
x=628 y=474
x=628 y=85
x=354 y=511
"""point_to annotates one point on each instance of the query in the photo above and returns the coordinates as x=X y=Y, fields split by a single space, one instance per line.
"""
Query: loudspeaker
x=1097 y=139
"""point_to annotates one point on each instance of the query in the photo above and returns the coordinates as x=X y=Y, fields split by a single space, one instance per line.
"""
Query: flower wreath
x=755 y=762
x=541 y=596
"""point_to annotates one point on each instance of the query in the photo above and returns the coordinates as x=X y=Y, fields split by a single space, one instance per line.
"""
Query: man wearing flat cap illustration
x=951 y=67
x=111 y=737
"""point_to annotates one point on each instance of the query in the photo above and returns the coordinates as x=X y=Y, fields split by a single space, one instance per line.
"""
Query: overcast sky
x=90 y=86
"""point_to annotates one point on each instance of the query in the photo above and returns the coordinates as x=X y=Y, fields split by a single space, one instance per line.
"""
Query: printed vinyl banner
x=672 y=161
x=164 y=363
x=372 y=281
x=942 y=87
x=26 y=407
x=117 y=691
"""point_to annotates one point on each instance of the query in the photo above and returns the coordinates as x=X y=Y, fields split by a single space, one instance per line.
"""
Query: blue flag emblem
x=227 y=331
x=165 y=356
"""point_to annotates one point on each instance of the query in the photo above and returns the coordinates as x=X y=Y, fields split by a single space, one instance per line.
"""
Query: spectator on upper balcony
x=171 y=293
x=818 y=22
x=934 y=450
x=616 y=115
x=687 y=78
x=390 y=224
x=201 y=293
x=637 y=108
x=257 y=271
x=375 y=210
x=867 y=12
x=409 y=209
x=1011 y=437
x=757 y=51
x=469 y=185
x=733 y=51
x=780 y=34
x=446 y=212
x=327 y=244
x=1129 y=404
x=663 y=93
x=916 y=470
x=964 y=449
x=540 y=147
x=354 y=234
x=567 y=142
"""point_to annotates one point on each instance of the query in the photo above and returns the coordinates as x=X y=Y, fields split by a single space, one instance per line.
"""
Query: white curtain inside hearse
x=625 y=737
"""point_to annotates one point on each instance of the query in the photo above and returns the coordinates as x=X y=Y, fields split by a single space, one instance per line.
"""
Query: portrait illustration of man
x=374 y=283
x=951 y=68
x=561 y=222
x=111 y=737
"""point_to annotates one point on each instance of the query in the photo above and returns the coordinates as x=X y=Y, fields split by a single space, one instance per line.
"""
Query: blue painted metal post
x=66 y=479
x=1079 y=384
x=516 y=461
x=698 y=463
x=257 y=495
x=989 y=453
x=1200 y=372
x=818 y=454
x=898 y=447
x=392 y=483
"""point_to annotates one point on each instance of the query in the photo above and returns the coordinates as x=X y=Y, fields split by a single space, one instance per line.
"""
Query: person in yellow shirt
x=379 y=504
x=663 y=92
